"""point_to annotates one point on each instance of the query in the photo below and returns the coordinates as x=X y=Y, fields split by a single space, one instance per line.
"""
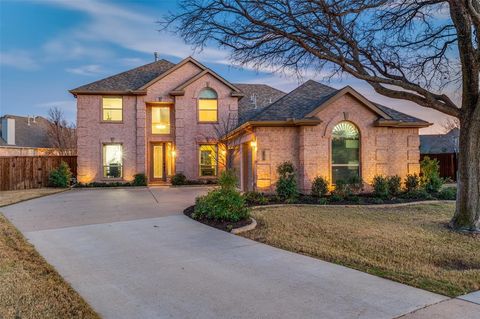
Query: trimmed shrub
x=418 y=194
x=228 y=179
x=448 y=193
x=139 y=179
x=221 y=205
x=286 y=187
x=380 y=186
x=342 y=190
x=430 y=178
x=179 y=179
x=355 y=183
x=394 y=185
x=412 y=182
x=60 y=177
x=255 y=198
x=319 y=187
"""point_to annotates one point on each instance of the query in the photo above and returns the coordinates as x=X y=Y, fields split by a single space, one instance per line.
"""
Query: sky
x=50 y=46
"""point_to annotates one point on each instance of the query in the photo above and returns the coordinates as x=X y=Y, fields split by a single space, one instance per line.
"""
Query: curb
x=245 y=228
x=353 y=206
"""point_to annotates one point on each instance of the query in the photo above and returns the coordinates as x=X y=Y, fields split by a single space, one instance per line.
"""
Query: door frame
x=164 y=157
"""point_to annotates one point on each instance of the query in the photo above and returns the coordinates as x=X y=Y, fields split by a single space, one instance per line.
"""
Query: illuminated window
x=345 y=152
x=161 y=120
x=207 y=106
x=208 y=159
x=112 y=160
x=112 y=109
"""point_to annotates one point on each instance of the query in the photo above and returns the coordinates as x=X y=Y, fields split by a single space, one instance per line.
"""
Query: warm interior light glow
x=174 y=153
x=253 y=144
x=161 y=126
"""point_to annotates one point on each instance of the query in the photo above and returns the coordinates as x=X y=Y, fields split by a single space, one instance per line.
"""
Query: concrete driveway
x=132 y=254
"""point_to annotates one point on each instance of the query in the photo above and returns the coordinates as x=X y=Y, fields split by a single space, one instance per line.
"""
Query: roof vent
x=155 y=56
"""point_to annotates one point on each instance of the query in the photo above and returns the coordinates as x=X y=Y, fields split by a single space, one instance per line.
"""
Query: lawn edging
x=245 y=228
x=353 y=206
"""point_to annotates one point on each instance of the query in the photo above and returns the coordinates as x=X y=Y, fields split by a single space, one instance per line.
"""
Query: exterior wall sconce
x=253 y=144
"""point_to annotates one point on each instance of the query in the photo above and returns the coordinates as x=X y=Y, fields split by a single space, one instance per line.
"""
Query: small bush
x=420 y=193
x=221 y=205
x=448 y=193
x=179 y=179
x=228 y=179
x=319 y=187
x=394 y=185
x=139 y=179
x=61 y=176
x=322 y=201
x=412 y=182
x=430 y=178
x=380 y=186
x=255 y=198
x=342 y=190
x=355 y=183
x=286 y=187
x=335 y=197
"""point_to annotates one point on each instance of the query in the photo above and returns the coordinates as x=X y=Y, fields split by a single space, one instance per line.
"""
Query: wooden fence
x=24 y=172
x=448 y=164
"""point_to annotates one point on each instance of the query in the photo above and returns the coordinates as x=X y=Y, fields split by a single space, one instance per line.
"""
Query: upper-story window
x=160 y=120
x=207 y=106
x=112 y=109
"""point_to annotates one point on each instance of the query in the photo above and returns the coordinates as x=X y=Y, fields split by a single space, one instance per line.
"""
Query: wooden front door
x=161 y=159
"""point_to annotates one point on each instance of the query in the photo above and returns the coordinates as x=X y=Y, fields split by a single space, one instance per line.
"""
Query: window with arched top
x=207 y=106
x=345 y=152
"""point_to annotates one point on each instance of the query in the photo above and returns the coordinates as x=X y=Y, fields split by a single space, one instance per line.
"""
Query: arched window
x=207 y=106
x=345 y=152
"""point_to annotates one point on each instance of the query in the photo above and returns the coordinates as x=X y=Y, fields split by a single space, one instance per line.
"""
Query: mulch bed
x=222 y=225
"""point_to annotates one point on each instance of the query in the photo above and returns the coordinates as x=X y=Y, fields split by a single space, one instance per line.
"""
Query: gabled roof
x=33 y=135
x=180 y=90
x=440 y=143
x=308 y=98
x=128 y=81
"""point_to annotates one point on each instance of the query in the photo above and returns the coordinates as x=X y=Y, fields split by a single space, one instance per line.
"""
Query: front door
x=161 y=161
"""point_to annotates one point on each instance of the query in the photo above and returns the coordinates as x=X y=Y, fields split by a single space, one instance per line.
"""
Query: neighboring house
x=444 y=148
x=159 y=119
x=24 y=136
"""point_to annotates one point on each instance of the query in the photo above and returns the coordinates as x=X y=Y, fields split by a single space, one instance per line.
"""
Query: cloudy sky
x=50 y=46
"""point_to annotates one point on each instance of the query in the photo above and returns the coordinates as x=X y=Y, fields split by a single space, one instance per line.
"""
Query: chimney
x=8 y=130
x=155 y=55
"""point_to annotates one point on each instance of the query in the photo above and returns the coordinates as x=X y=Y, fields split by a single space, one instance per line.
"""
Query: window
x=207 y=106
x=112 y=109
x=345 y=152
x=161 y=120
x=207 y=156
x=112 y=160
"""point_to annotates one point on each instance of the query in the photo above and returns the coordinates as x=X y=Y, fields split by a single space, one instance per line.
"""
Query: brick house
x=163 y=118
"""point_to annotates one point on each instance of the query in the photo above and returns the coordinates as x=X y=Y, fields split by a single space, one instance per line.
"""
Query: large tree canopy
x=407 y=50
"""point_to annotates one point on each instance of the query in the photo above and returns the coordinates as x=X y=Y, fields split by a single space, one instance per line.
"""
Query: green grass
x=409 y=244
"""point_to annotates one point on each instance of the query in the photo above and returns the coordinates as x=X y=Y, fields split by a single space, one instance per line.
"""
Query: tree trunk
x=467 y=214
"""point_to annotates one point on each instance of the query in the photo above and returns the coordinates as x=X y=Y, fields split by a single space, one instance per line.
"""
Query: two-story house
x=162 y=118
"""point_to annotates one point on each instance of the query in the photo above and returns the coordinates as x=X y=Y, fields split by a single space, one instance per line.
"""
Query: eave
x=400 y=124
x=130 y=92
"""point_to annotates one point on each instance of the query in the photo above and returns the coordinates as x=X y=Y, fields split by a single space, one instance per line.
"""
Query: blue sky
x=50 y=46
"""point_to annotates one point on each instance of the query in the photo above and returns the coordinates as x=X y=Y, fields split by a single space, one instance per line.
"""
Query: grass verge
x=12 y=197
x=29 y=286
x=408 y=244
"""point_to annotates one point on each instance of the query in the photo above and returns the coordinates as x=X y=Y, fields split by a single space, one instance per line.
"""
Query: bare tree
x=62 y=135
x=410 y=50
x=451 y=124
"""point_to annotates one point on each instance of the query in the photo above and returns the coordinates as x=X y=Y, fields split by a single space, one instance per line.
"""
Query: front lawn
x=29 y=286
x=409 y=244
x=11 y=197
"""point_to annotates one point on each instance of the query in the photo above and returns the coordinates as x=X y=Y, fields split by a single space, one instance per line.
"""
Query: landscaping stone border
x=353 y=206
x=245 y=228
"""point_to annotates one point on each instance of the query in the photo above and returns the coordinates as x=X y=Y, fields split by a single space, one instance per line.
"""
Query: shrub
x=179 y=179
x=380 y=186
x=286 y=187
x=394 y=185
x=60 y=177
x=221 y=205
x=139 y=179
x=255 y=198
x=319 y=187
x=412 y=182
x=355 y=183
x=430 y=179
x=322 y=201
x=448 y=193
x=228 y=179
x=418 y=194
x=342 y=190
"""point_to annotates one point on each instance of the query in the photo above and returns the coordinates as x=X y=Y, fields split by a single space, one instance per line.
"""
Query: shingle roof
x=33 y=135
x=399 y=116
x=129 y=80
x=439 y=143
x=257 y=97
